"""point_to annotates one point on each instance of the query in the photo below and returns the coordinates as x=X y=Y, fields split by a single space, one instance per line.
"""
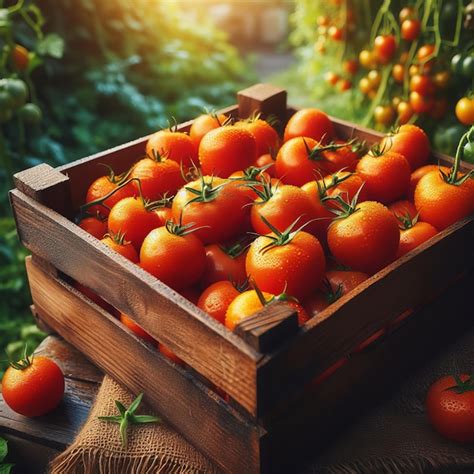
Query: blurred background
x=81 y=76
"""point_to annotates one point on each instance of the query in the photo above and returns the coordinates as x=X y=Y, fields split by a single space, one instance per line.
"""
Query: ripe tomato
x=280 y=205
x=132 y=218
x=174 y=255
x=403 y=208
x=425 y=52
x=465 y=111
x=418 y=174
x=441 y=203
x=169 y=354
x=414 y=234
x=33 y=386
x=345 y=280
x=344 y=85
x=94 y=226
x=406 y=13
x=118 y=243
x=227 y=149
x=405 y=112
x=103 y=186
x=384 y=114
x=331 y=78
x=365 y=240
x=368 y=59
x=420 y=103
x=422 y=84
x=350 y=66
x=385 y=47
x=374 y=78
x=263 y=161
x=266 y=137
x=244 y=305
x=214 y=205
x=20 y=57
x=364 y=85
x=158 y=176
x=412 y=142
x=410 y=29
x=386 y=175
x=225 y=263
x=176 y=146
x=312 y=123
x=317 y=302
x=215 y=299
x=282 y=261
x=398 y=73
x=203 y=124
x=450 y=407
x=335 y=33
x=136 y=328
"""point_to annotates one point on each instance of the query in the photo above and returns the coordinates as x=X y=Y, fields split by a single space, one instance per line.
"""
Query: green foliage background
x=127 y=68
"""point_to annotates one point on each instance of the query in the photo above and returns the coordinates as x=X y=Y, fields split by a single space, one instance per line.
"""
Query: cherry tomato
x=398 y=73
x=441 y=79
x=405 y=112
x=331 y=78
x=384 y=114
x=367 y=59
x=364 y=85
x=20 y=57
x=410 y=29
x=335 y=33
x=215 y=299
x=385 y=47
x=374 y=78
x=465 y=111
x=422 y=84
x=350 y=66
x=406 y=13
x=33 y=386
x=425 y=52
x=450 y=407
x=419 y=103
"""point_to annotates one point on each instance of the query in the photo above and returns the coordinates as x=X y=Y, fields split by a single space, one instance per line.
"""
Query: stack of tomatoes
x=233 y=217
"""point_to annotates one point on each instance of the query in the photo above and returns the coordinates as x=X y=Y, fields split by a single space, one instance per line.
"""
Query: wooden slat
x=202 y=417
x=263 y=98
x=203 y=343
x=406 y=283
x=266 y=330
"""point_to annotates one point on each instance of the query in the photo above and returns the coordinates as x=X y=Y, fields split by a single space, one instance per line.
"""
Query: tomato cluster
x=201 y=215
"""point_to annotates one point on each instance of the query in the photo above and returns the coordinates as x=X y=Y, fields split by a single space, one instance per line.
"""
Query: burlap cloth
x=393 y=437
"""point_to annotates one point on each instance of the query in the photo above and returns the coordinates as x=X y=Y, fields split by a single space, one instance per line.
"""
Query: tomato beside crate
x=285 y=386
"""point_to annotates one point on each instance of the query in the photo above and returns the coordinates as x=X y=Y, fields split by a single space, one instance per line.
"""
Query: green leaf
x=136 y=419
x=5 y=468
x=51 y=45
x=133 y=407
x=3 y=449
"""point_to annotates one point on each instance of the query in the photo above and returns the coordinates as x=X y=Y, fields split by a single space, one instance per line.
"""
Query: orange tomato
x=94 y=226
x=244 y=305
x=414 y=236
x=224 y=263
x=418 y=174
x=176 y=146
x=119 y=245
x=465 y=111
x=398 y=73
x=169 y=354
x=403 y=208
x=350 y=66
x=266 y=137
x=215 y=299
x=203 y=124
x=421 y=103
x=264 y=160
x=312 y=123
x=136 y=329
x=20 y=57
x=225 y=150
x=385 y=47
x=331 y=78
x=422 y=84
x=405 y=112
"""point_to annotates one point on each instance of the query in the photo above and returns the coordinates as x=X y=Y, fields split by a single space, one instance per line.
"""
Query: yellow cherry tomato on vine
x=367 y=59
x=384 y=114
x=374 y=78
x=398 y=73
x=406 y=13
x=405 y=112
x=364 y=85
x=331 y=78
x=465 y=111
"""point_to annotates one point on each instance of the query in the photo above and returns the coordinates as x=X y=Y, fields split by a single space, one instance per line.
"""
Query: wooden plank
x=269 y=327
x=263 y=98
x=162 y=312
x=406 y=283
x=46 y=185
x=84 y=171
x=225 y=436
x=305 y=427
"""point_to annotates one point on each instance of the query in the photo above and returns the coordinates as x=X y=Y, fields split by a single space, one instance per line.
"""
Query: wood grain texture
x=216 y=353
x=407 y=283
x=263 y=98
x=84 y=171
x=47 y=185
x=269 y=327
x=226 y=436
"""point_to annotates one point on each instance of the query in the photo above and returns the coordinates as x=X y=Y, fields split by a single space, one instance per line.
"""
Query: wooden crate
x=267 y=365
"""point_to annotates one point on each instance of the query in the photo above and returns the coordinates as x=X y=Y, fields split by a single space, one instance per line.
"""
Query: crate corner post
x=265 y=99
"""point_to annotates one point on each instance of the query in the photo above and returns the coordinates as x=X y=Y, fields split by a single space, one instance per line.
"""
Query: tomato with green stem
x=213 y=204
x=418 y=174
x=266 y=137
x=410 y=29
x=442 y=198
x=280 y=262
x=311 y=123
x=204 y=124
x=33 y=386
x=465 y=110
x=450 y=407
x=94 y=225
x=173 y=145
x=403 y=208
x=174 y=255
x=413 y=233
x=118 y=243
x=268 y=161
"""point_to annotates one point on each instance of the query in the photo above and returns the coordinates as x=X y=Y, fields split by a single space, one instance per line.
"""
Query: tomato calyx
x=462 y=386
x=165 y=201
x=235 y=250
x=452 y=176
x=264 y=189
x=181 y=229
x=344 y=207
x=252 y=173
x=25 y=362
x=118 y=237
x=331 y=294
x=336 y=180
x=127 y=417
x=283 y=297
x=406 y=222
x=207 y=193
x=317 y=152
x=116 y=178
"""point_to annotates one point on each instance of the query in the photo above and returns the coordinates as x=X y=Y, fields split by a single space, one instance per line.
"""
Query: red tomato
x=345 y=280
x=366 y=240
x=331 y=78
x=174 y=255
x=266 y=137
x=412 y=142
x=213 y=204
x=215 y=299
x=203 y=124
x=425 y=52
x=245 y=305
x=441 y=203
x=386 y=175
x=227 y=149
x=424 y=85
x=136 y=329
x=282 y=262
x=133 y=219
x=414 y=235
x=33 y=386
x=450 y=407
x=224 y=263
x=421 y=104
x=403 y=208
x=121 y=246
x=20 y=57
x=344 y=85
x=312 y=123
x=385 y=47
x=335 y=33
x=343 y=184
x=176 y=146
x=418 y=174
x=410 y=29
x=263 y=161
x=94 y=226
x=158 y=177
x=351 y=66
